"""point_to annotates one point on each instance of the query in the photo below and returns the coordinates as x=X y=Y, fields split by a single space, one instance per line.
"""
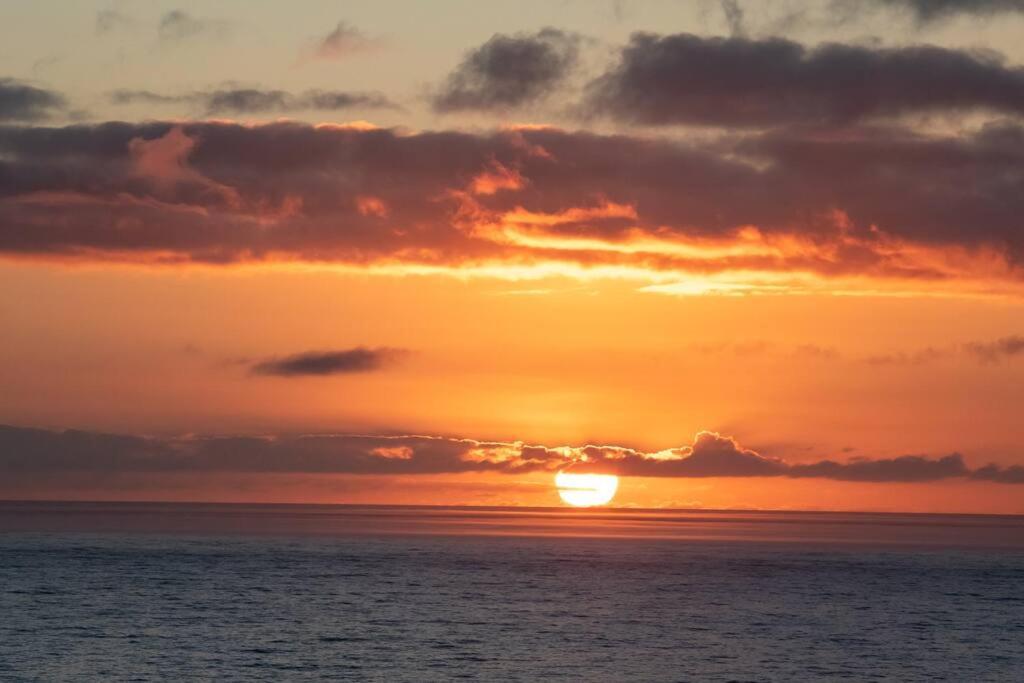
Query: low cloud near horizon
x=323 y=363
x=34 y=455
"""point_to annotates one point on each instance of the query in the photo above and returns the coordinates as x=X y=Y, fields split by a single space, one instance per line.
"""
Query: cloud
x=258 y=101
x=877 y=205
x=333 y=100
x=816 y=352
x=741 y=82
x=711 y=455
x=108 y=20
x=125 y=96
x=34 y=455
x=509 y=71
x=321 y=363
x=163 y=163
x=22 y=102
x=178 y=25
x=919 y=357
x=734 y=17
x=1013 y=474
x=903 y=468
x=998 y=350
x=38 y=452
x=927 y=11
x=344 y=41
x=985 y=352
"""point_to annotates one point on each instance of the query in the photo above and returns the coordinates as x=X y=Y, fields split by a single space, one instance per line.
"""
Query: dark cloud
x=927 y=11
x=509 y=71
x=33 y=451
x=217 y=192
x=711 y=455
x=1013 y=474
x=177 y=25
x=34 y=455
x=842 y=162
x=327 y=362
x=22 y=102
x=256 y=101
x=689 y=79
x=903 y=468
x=998 y=350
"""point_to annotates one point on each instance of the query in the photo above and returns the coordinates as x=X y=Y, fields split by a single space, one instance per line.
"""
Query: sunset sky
x=741 y=254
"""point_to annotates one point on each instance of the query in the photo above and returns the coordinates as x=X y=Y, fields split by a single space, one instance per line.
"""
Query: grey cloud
x=245 y=100
x=711 y=455
x=734 y=17
x=35 y=455
x=986 y=352
x=257 y=101
x=903 y=468
x=509 y=71
x=998 y=350
x=22 y=102
x=332 y=100
x=927 y=11
x=38 y=452
x=343 y=41
x=108 y=20
x=177 y=25
x=1003 y=475
x=147 y=97
x=689 y=79
x=321 y=363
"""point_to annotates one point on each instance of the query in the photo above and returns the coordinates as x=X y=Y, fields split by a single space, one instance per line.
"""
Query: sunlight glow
x=586 y=490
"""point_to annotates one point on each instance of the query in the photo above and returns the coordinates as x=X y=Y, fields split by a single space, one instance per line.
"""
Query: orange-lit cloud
x=495 y=178
x=164 y=161
x=371 y=206
x=874 y=212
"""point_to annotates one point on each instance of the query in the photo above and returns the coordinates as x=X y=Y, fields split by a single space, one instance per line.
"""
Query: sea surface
x=154 y=592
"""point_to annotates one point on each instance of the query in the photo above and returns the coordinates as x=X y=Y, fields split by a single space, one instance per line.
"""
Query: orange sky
x=803 y=378
x=742 y=278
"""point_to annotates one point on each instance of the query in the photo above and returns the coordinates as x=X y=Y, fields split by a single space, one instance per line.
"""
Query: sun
x=586 y=490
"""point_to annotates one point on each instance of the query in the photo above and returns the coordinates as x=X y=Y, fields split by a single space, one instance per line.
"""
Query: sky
x=741 y=254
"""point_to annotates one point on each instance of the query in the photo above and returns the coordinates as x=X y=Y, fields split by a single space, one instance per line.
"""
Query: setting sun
x=586 y=490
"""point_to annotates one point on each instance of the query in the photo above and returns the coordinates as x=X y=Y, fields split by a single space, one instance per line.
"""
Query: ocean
x=151 y=592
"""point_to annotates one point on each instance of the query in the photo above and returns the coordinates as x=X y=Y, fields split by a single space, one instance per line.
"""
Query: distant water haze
x=870 y=529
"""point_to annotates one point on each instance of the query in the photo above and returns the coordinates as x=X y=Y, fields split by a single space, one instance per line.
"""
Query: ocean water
x=250 y=593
